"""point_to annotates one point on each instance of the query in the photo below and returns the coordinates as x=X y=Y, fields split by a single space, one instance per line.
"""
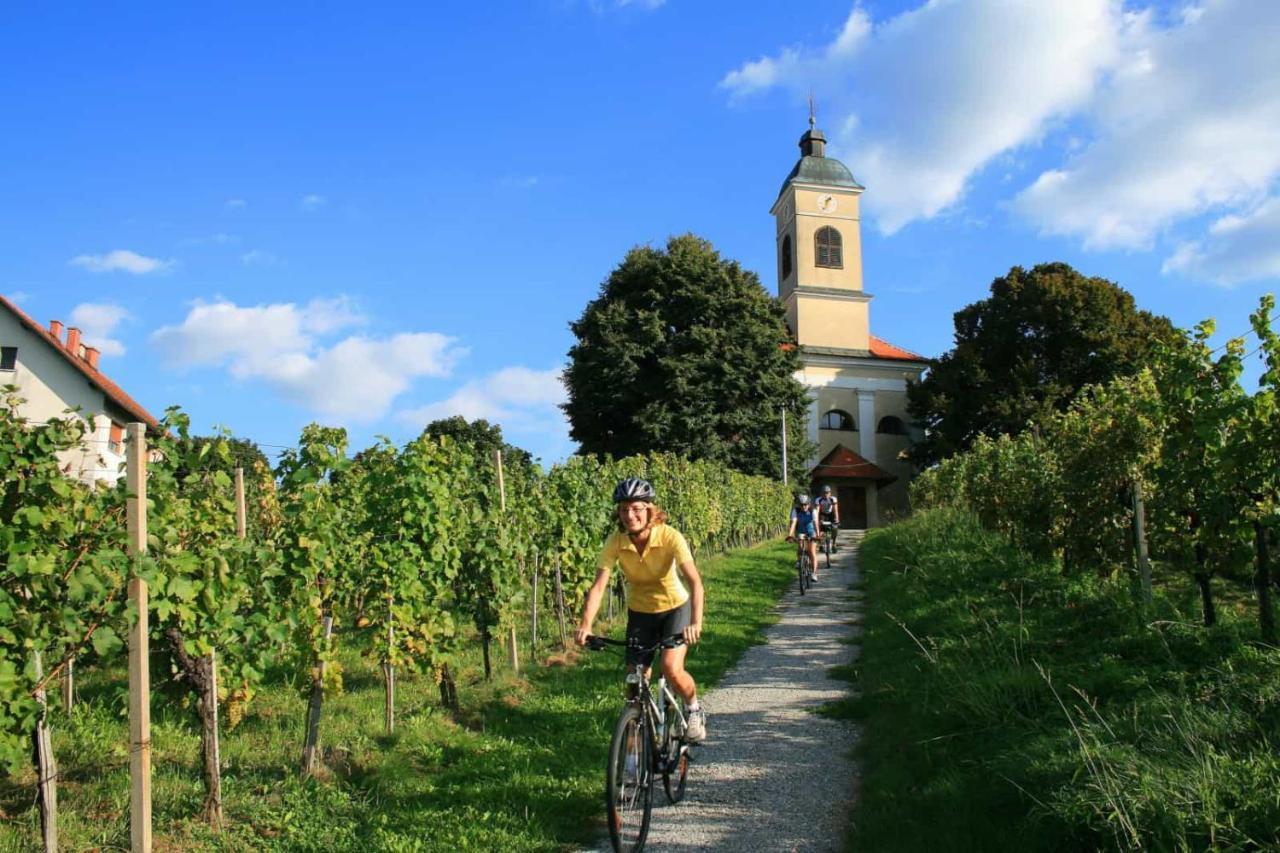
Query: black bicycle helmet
x=826 y=490
x=634 y=489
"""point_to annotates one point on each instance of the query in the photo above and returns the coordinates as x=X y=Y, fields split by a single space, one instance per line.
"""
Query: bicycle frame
x=651 y=713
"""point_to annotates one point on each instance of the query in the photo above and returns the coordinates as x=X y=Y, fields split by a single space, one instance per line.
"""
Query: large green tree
x=684 y=351
x=1026 y=351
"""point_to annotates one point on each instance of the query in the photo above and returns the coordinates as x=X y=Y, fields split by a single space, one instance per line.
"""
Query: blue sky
x=372 y=216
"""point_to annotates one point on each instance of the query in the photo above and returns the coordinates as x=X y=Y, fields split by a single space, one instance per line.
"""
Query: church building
x=857 y=382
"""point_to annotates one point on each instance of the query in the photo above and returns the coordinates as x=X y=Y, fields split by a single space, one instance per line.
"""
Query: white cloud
x=924 y=100
x=121 y=260
x=258 y=258
x=642 y=4
x=18 y=297
x=1238 y=248
x=236 y=203
x=96 y=322
x=313 y=201
x=1190 y=124
x=515 y=397
x=280 y=344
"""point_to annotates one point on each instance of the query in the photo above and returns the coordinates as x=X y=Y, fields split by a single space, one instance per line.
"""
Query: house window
x=828 y=248
x=786 y=257
x=837 y=419
x=890 y=425
x=116 y=443
x=8 y=358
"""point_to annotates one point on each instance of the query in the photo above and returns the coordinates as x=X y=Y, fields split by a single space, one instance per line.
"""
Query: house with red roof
x=54 y=372
x=857 y=382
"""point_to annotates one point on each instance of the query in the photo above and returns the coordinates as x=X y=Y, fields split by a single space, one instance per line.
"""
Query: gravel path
x=774 y=776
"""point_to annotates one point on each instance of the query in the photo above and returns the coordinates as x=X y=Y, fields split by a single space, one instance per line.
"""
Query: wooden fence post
x=46 y=768
x=1140 y=541
x=139 y=651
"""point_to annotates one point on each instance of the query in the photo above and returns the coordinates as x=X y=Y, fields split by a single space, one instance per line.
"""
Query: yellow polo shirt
x=653 y=579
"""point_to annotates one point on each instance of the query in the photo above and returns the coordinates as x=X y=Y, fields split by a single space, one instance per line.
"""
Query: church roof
x=842 y=462
x=880 y=348
x=827 y=171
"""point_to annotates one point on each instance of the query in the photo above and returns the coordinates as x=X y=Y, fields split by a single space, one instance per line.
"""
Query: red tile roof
x=113 y=392
x=881 y=348
x=842 y=462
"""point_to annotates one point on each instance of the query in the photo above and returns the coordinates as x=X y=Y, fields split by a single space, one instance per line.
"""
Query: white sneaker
x=696 y=728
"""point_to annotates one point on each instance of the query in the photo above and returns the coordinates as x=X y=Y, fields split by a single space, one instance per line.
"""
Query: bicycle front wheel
x=827 y=547
x=629 y=783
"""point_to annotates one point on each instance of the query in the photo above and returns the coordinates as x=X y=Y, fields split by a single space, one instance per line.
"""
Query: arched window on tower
x=837 y=419
x=786 y=257
x=889 y=425
x=828 y=248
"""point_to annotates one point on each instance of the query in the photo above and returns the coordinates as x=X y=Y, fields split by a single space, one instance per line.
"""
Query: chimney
x=73 y=341
x=91 y=356
x=55 y=329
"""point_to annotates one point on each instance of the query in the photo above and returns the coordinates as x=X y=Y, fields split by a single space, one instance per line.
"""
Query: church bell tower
x=819 y=244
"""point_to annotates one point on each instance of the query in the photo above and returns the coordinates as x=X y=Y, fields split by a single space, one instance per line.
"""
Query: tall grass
x=1007 y=707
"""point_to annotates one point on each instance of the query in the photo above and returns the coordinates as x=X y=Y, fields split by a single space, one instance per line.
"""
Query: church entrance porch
x=856 y=483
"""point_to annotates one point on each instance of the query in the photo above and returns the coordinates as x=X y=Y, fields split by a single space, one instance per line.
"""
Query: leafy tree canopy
x=682 y=351
x=1026 y=351
x=484 y=437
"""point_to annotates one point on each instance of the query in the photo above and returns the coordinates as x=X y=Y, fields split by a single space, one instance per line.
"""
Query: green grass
x=1006 y=707
x=521 y=769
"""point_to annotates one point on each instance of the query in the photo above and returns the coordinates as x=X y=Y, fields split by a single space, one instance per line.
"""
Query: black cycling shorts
x=647 y=629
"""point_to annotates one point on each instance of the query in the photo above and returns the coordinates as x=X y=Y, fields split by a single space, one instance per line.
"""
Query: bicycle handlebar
x=597 y=644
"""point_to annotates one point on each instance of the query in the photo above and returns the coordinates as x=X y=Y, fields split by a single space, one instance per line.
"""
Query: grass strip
x=522 y=769
x=1007 y=707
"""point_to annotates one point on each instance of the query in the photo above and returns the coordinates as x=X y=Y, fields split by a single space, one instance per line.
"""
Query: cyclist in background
x=658 y=606
x=804 y=522
x=829 y=514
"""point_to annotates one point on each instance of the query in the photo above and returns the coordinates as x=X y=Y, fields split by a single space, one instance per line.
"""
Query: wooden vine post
x=46 y=768
x=139 y=651
x=513 y=651
x=68 y=687
x=533 y=629
x=389 y=672
x=1140 y=540
x=564 y=636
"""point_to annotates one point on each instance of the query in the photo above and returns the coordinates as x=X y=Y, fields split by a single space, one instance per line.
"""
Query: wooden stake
x=139 y=651
x=242 y=514
x=213 y=753
x=533 y=633
x=46 y=769
x=513 y=651
x=389 y=674
x=1140 y=541
x=69 y=687
x=564 y=637
x=311 y=746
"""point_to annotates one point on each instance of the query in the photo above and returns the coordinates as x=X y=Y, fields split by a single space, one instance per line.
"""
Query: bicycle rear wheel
x=675 y=753
x=629 y=782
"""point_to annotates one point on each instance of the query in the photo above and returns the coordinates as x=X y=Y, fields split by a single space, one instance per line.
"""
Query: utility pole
x=784 y=447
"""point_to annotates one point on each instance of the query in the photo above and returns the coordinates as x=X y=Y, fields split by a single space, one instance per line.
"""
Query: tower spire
x=813 y=119
x=813 y=143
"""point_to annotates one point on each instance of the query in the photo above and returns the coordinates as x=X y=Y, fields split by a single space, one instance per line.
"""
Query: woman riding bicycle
x=658 y=606
x=804 y=522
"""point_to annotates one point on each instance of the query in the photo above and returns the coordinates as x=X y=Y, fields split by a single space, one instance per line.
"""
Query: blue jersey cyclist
x=804 y=522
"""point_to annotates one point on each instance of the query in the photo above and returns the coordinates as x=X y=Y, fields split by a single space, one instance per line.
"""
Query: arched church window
x=889 y=425
x=837 y=419
x=786 y=256
x=828 y=248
